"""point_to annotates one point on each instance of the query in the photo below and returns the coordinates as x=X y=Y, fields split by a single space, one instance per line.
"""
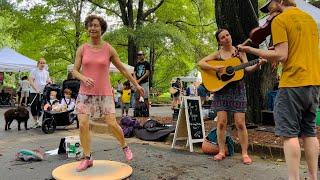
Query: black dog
x=20 y=114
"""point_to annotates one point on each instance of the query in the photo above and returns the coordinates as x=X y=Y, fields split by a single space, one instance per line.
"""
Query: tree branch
x=152 y=10
x=194 y=25
x=124 y=14
x=105 y=8
x=119 y=44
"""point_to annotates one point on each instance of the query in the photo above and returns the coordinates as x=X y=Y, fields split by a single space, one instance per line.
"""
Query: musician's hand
x=218 y=69
x=274 y=66
x=262 y=61
x=242 y=48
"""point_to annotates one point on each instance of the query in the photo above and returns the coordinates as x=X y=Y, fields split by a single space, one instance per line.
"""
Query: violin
x=259 y=34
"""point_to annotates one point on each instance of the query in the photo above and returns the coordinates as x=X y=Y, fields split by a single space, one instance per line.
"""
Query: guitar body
x=173 y=90
x=213 y=82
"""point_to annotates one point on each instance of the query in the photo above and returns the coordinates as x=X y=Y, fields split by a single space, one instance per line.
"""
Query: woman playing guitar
x=232 y=97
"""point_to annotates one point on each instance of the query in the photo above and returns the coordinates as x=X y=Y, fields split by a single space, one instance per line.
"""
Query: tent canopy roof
x=12 y=61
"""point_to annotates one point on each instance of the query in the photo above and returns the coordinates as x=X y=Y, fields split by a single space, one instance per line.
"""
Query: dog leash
x=34 y=99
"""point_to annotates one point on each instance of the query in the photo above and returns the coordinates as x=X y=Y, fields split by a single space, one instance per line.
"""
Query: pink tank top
x=95 y=64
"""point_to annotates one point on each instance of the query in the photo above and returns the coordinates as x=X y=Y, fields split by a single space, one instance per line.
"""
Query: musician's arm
x=279 y=54
x=244 y=59
x=203 y=63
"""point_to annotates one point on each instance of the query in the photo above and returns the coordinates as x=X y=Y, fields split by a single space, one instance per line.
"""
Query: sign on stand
x=190 y=124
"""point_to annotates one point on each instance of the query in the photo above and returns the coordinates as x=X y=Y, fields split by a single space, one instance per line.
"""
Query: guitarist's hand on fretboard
x=262 y=61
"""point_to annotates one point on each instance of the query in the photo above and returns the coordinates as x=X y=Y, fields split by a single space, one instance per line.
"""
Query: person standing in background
x=38 y=79
x=25 y=88
x=141 y=74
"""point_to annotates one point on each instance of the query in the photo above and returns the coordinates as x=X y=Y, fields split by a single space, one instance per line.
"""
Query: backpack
x=141 y=110
x=128 y=125
x=212 y=137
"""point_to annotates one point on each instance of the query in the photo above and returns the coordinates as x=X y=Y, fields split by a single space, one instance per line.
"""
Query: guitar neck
x=244 y=65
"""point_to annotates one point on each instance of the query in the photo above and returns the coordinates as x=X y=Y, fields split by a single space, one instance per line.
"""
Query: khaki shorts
x=25 y=93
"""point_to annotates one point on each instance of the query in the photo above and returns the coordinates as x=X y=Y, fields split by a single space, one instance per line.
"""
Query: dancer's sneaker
x=85 y=164
x=128 y=154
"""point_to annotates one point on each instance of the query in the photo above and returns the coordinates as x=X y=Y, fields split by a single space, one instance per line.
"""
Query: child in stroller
x=53 y=103
x=67 y=102
x=52 y=119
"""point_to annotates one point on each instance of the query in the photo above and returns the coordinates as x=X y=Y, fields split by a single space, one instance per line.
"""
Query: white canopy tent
x=12 y=61
x=112 y=68
x=193 y=76
x=307 y=7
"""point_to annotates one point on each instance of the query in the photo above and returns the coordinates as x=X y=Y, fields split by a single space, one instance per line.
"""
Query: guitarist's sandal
x=233 y=71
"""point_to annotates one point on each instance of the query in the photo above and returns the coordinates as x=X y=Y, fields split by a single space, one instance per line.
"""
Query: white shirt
x=120 y=87
x=69 y=102
x=193 y=90
x=25 y=85
x=40 y=78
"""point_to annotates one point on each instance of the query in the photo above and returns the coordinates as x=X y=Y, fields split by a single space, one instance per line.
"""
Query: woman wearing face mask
x=231 y=98
x=95 y=91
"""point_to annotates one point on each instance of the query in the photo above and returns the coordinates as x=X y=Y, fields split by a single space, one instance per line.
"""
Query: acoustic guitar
x=173 y=90
x=233 y=71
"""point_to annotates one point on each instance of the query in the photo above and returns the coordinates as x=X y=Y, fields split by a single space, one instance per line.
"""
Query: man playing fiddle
x=296 y=46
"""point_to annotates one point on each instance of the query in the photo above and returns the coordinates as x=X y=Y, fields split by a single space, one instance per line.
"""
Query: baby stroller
x=53 y=119
x=6 y=99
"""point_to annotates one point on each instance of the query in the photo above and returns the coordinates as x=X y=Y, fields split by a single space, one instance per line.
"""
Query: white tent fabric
x=11 y=61
x=112 y=68
x=308 y=8
x=193 y=76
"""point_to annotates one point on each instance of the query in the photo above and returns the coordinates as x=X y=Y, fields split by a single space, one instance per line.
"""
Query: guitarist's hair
x=217 y=35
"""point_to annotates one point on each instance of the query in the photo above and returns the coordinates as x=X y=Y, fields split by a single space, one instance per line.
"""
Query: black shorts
x=295 y=111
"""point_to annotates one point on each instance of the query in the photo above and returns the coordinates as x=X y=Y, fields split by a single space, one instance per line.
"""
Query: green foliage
x=160 y=100
x=180 y=31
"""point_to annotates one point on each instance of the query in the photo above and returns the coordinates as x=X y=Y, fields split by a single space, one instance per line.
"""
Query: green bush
x=160 y=99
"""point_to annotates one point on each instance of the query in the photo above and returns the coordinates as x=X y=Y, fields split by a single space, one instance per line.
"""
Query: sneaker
x=35 y=125
x=128 y=154
x=85 y=164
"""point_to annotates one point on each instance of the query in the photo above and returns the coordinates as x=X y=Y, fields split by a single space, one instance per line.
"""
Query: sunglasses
x=140 y=54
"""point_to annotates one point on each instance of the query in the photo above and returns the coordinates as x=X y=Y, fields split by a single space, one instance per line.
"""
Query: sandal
x=219 y=157
x=246 y=160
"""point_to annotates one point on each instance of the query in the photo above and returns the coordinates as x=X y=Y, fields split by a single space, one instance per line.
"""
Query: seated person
x=67 y=102
x=53 y=104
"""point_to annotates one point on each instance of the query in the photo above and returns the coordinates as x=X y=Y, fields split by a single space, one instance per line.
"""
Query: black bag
x=62 y=146
x=141 y=110
x=153 y=131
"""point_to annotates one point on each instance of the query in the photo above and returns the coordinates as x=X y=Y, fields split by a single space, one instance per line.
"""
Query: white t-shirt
x=40 y=79
x=25 y=85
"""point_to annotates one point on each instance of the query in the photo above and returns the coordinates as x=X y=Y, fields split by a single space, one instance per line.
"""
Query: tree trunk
x=132 y=50
x=239 y=17
x=152 y=58
x=77 y=24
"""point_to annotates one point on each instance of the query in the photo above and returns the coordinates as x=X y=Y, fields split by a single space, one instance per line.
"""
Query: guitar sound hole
x=226 y=77
x=230 y=70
